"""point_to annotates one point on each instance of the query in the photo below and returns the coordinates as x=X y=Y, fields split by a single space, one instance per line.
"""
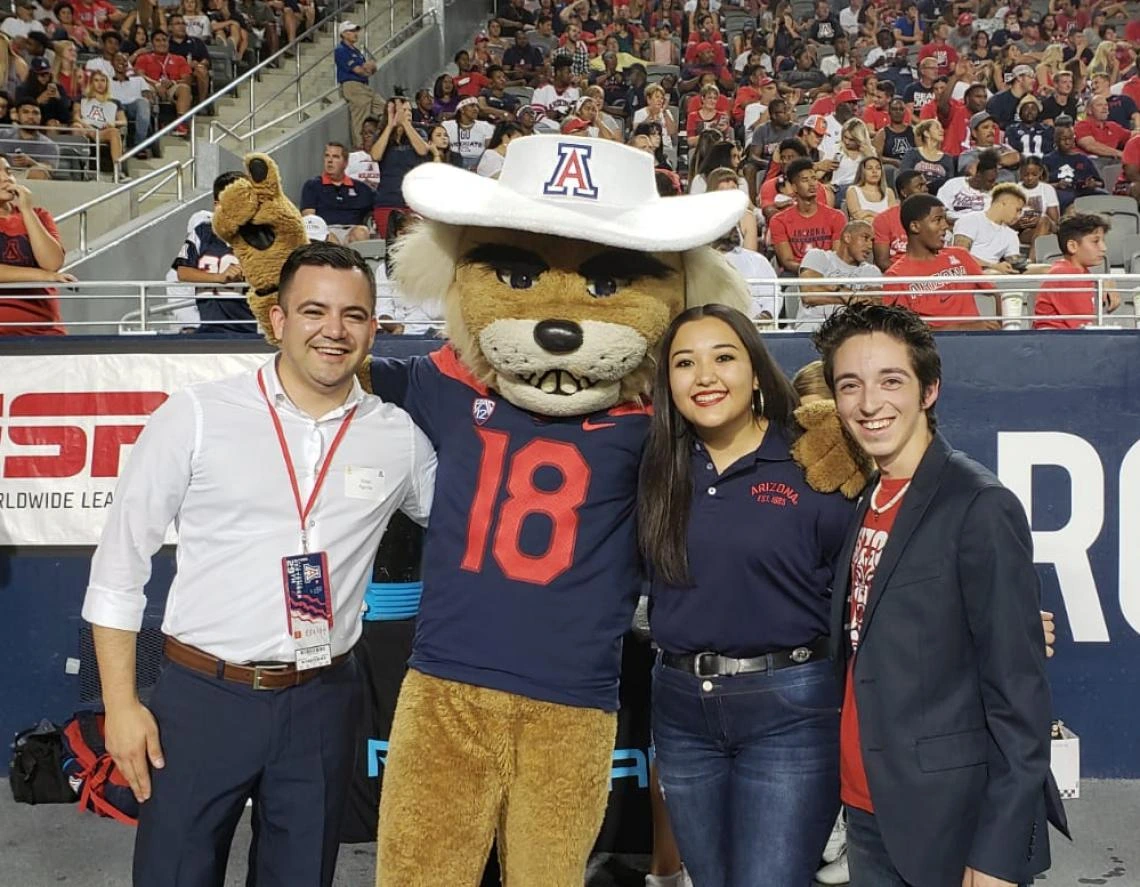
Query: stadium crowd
x=828 y=116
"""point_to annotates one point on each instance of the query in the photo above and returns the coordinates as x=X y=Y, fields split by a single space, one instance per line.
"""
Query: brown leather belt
x=259 y=677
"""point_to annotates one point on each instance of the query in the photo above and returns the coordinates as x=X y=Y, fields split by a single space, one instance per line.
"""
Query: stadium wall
x=1056 y=414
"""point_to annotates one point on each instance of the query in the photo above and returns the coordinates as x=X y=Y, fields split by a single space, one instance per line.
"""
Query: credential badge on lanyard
x=308 y=597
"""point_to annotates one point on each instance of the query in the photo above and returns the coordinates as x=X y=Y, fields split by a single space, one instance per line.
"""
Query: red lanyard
x=303 y=512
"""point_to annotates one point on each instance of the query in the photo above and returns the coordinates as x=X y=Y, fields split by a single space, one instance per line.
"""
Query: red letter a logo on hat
x=571 y=177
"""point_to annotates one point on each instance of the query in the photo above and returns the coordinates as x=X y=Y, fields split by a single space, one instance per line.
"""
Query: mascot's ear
x=424 y=260
x=709 y=278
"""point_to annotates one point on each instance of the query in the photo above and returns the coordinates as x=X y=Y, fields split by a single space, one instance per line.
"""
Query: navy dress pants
x=289 y=750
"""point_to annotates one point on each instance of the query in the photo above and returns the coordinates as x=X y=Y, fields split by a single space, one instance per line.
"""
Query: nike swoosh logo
x=587 y=425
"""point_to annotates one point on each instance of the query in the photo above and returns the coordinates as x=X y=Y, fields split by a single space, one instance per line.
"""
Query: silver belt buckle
x=800 y=655
x=699 y=659
x=259 y=670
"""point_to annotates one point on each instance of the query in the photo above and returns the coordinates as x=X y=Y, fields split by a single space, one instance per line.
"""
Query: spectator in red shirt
x=757 y=87
x=1099 y=136
x=776 y=193
x=889 y=236
x=469 y=81
x=805 y=224
x=1081 y=236
x=708 y=115
x=706 y=64
x=939 y=293
x=30 y=250
x=1128 y=185
x=939 y=50
x=97 y=15
x=169 y=75
x=955 y=115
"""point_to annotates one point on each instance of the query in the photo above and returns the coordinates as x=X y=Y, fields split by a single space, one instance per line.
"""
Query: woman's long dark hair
x=666 y=484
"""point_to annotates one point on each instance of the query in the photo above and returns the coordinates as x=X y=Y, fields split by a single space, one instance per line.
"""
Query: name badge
x=361 y=482
x=308 y=607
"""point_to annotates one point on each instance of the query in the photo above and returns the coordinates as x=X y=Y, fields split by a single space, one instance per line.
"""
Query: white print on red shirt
x=864 y=560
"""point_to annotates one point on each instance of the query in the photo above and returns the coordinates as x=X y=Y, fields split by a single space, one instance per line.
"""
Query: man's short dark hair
x=492 y=70
x=1030 y=160
x=797 y=166
x=370 y=119
x=158 y=32
x=987 y=160
x=458 y=54
x=343 y=149
x=1079 y=225
x=902 y=324
x=322 y=254
x=792 y=144
x=110 y=35
x=916 y=208
x=561 y=61
x=904 y=178
x=221 y=181
x=887 y=88
x=25 y=102
x=783 y=103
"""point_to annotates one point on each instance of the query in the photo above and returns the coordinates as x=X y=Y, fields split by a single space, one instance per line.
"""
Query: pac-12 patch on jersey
x=481 y=409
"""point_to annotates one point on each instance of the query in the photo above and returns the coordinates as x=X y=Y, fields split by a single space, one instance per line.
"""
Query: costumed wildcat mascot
x=557 y=280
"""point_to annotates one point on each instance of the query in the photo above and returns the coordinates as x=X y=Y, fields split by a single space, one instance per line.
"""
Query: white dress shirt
x=209 y=459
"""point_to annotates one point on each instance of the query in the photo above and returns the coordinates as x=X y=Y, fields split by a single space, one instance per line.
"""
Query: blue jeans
x=867 y=855
x=749 y=767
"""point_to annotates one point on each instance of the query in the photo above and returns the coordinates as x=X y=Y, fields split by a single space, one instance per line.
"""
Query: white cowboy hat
x=580 y=188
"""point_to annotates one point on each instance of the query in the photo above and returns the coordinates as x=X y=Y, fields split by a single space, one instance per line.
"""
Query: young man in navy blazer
x=936 y=633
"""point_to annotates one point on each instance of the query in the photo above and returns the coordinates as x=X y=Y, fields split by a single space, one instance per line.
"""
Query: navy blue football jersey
x=531 y=571
x=206 y=251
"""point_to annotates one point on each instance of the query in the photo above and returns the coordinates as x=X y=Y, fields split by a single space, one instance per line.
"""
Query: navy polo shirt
x=348 y=203
x=348 y=57
x=762 y=547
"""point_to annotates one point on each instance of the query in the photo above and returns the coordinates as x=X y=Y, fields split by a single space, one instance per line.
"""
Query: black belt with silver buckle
x=713 y=665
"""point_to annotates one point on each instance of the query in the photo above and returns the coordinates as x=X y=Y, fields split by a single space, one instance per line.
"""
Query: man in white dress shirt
x=281 y=483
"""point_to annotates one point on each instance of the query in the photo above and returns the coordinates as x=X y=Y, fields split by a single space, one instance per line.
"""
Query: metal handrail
x=300 y=75
x=187 y=117
x=146 y=292
x=174 y=167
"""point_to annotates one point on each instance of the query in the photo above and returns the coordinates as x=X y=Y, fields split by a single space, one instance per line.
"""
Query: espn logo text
x=51 y=435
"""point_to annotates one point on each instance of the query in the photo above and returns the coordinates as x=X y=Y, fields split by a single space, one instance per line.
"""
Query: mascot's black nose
x=258 y=169
x=558 y=336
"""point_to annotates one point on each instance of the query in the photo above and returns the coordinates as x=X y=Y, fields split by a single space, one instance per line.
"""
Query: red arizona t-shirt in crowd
x=1065 y=297
x=887 y=229
x=818 y=231
x=873 y=536
x=942 y=295
x=35 y=304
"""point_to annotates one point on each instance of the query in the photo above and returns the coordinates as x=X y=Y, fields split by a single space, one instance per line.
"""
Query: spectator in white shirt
x=1042 y=212
x=849 y=19
x=468 y=134
x=135 y=95
x=988 y=234
x=757 y=271
x=211 y=733
x=21 y=25
x=850 y=258
x=971 y=193
x=491 y=163
x=361 y=166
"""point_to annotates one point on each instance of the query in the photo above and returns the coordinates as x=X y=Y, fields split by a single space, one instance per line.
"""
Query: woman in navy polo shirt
x=741 y=552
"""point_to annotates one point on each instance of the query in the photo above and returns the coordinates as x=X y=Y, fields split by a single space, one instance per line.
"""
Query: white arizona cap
x=576 y=187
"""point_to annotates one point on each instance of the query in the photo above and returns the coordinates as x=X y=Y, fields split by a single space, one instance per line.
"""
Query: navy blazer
x=950 y=686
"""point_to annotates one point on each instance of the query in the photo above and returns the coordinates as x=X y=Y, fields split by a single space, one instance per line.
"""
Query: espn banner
x=67 y=423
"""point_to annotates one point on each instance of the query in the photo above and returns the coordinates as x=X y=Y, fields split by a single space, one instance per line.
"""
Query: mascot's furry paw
x=831 y=461
x=261 y=224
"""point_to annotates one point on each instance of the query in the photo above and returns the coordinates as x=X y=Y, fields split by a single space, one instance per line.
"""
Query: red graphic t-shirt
x=888 y=230
x=820 y=230
x=941 y=295
x=1065 y=297
x=34 y=304
x=873 y=536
